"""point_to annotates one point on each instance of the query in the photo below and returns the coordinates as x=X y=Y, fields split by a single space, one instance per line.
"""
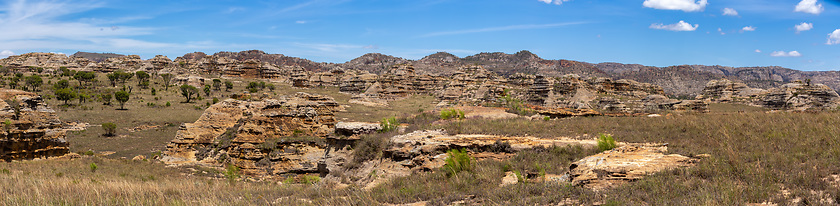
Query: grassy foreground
x=755 y=157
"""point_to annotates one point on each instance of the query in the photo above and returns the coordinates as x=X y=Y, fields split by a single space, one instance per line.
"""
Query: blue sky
x=799 y=34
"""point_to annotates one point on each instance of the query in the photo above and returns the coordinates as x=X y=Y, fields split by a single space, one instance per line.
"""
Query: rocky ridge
x=31 y=129
x=796 y=96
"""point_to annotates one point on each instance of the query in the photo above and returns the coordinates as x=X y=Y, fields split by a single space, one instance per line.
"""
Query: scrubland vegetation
x=749 y=156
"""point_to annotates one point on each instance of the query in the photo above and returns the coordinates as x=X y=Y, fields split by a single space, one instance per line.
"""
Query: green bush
x=110 y=128
x=458 y=160
x=231 y=173
x=452 y=114
x=606 y=142
x=388 y=124
x=93 y=167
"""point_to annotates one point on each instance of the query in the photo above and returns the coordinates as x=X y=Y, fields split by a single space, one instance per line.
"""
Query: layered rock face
x=268 y=137
x=576 y=96
x=33 y=129
x=792 y=96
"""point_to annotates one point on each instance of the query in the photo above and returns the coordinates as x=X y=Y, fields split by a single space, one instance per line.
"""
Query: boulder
x=624 y=164
x=356 y=128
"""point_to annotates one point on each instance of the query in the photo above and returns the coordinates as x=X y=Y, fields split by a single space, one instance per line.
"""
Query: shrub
x=452 y=114
x=93 y=167
x=368 y=147
x=215 y=100
x=109 y=128
x=458 y=160
x=310 y=179
x=606 y=142
x=168 y=104
x=231 y=173
x=388 y=124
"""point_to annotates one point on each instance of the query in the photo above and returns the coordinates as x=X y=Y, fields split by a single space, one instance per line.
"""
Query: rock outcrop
x=797 y=96
x=624 y=164
x=269 y=137
x=31 y=129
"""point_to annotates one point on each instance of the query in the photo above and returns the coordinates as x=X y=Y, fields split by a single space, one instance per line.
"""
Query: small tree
x=207 y=90
x=217 y=84
x=122 y=97
x=228 y=85
x=65 y=95
x=141 y=77
x=34 y=82
x=167 y=79
x=63 y=84
x=84 y=77
x=113 y=78
x=110 y=128
x=606 y=142
x=106 y=98
x=188 y=91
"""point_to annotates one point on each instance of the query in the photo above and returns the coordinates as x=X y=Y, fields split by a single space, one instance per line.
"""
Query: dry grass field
x=756 y=156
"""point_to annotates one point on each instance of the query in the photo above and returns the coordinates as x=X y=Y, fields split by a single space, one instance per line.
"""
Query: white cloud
x=6 y=53
x=371 y=46
x=730 y=12
x=748 y=28
x=757 y=51
x=679 y=26
x=834 y=37
x=809 y=6
x=556 y=2
x=803 y=27
x=721 y=31
x=42 y=25
x=684 y=5
x=300 y=22
x=785 y=54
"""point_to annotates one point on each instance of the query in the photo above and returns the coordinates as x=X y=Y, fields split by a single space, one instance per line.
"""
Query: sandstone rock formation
x=792 y=96
x=356 y=128
x=624 y=164
x=268 y=137
x=31 y=129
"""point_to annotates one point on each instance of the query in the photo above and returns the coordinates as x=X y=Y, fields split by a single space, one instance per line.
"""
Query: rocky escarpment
x=269 y=137
x=792 y=96
x=30 y=129
x=624 y=164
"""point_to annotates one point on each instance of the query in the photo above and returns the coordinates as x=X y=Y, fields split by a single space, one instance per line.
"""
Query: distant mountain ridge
x=680 y=80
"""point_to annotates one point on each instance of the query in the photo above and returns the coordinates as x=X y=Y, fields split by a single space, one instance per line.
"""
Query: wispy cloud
x=730 y=12
x=40 y=25
x=785 y=54
x=748 y=28
x=556 y=2
x=684 y=5
x=6 y=53
x=502 y=28
x=679 y=26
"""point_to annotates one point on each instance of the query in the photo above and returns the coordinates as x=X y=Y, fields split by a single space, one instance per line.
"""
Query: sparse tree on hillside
x=167 y=80
x=65 y=94
x=110 y=128
x=217 y=84
x=207 y=90
x=62 y=84
x=106 y=98
x=142 y=76
x=187 y=91
x=228 y=85
x=124 y=76
x=83 y=76
x=122 y=97
x=34 y=82
x=113 y=78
